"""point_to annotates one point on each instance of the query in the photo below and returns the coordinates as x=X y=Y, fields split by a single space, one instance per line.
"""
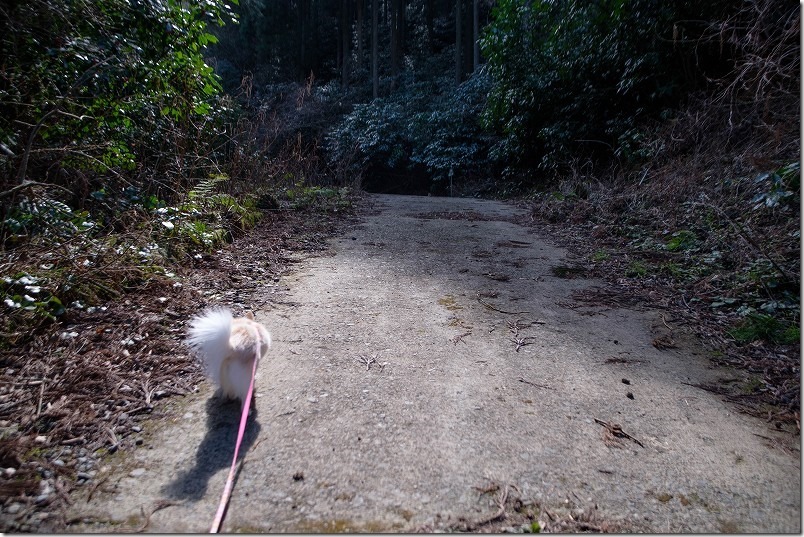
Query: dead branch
x=161 y=504
x=616 y=430
x=500 y=512
x=489 y=306
x=460 y=337
x=522 y=341
x=23 y=168
x=368 y=360
x=494 y=487
x=96 y=486
x=518 y=324
x=464 y=526
x=30 y=184
x=742 y=232
x=535 y=384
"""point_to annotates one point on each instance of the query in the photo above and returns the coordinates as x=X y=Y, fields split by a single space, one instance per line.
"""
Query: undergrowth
x=57 y=258
x=725 y=264
x=731 y=240
x=703 y=216
x=62 y=250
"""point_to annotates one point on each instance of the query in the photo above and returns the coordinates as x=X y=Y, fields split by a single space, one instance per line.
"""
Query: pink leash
x=227 y=490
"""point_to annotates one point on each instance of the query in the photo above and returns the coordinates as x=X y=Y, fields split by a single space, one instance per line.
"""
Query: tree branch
x=23 y=169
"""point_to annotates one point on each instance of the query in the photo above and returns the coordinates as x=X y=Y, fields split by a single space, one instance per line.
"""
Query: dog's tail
x=209 y=336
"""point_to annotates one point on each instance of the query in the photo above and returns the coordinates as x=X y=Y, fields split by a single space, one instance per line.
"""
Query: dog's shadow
x=217 y=448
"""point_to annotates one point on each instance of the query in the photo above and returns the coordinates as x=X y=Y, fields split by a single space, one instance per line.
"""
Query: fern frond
x=206 y=187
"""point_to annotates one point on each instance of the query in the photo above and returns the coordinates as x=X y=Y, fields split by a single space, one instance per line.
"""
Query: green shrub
x=781 y=187
x=636 y=269
x=428 y=127
x=761 y=326
x=575 y=79
x=681 y=240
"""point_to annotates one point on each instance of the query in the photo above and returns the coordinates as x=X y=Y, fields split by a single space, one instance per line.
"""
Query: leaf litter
x=80 y=389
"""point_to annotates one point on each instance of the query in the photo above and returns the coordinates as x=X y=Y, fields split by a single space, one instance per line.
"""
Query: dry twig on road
x=491 y=307
x=367 y=360
x=161 y=504
x=518 y=324
x=522 y=341
x=466 y=526
x=535 y=384
x=617 y=431
x=459 y=338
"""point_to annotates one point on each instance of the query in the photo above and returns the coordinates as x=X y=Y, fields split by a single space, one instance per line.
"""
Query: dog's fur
x=228 y=347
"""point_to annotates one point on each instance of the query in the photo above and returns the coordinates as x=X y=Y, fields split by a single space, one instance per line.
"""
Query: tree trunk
x=375 y=74
x=360 y=17
x=402 y=22
x=458 y=42
x=428 y=14
x=396 y=39
x=303 y=29
x=346 y=37
x=476 y=34
x=468 y=41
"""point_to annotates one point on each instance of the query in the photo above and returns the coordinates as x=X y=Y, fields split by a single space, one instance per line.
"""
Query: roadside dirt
x=432 y=372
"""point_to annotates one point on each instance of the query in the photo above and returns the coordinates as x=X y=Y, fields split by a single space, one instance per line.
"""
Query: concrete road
x=434 y=355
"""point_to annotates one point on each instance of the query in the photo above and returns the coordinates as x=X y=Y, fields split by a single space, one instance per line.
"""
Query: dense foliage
x=94 y=89
x=660 y=139
x=418 y=138
x=574 y=77
x=577 y=80
x=111 y=158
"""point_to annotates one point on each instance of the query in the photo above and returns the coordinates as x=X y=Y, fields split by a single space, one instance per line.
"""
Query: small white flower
x=11 y=304
x=35 y=289
x=25 y=280
x=28 y=298
x=162 y=299
x=168 y=224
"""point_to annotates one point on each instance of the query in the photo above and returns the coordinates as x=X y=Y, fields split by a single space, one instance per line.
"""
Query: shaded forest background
x=660 y=140
x=136 y=134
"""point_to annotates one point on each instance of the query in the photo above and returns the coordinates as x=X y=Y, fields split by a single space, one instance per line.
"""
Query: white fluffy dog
x=228 y=347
